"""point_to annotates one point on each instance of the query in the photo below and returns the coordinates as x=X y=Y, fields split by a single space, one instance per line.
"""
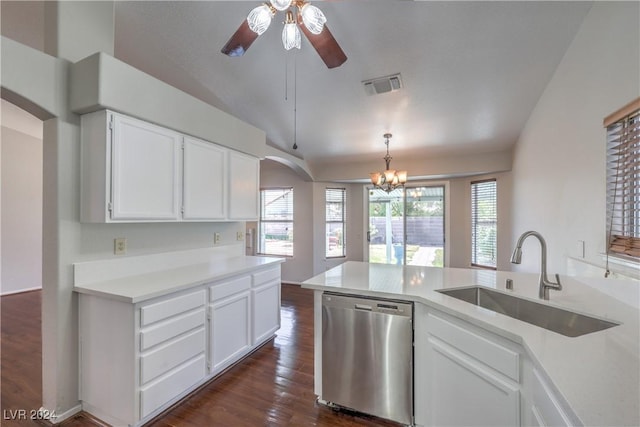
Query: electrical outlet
x=120 y=246
x=216 y=238
x=239 y=236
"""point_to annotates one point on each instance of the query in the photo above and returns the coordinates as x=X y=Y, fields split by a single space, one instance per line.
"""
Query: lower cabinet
x=230 y=322
x=467 y=375
x=464 y=375
x=136 y=360
x=545 y=406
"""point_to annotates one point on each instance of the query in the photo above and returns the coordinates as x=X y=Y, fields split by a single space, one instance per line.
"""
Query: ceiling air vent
x=382 y=84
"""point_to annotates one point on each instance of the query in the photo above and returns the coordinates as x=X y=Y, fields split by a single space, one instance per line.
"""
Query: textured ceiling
x=472 y=71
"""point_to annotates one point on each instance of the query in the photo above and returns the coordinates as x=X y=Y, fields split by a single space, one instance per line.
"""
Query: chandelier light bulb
x=259 y=19
x=281 y=4
x=290 y=33
x=313 y=18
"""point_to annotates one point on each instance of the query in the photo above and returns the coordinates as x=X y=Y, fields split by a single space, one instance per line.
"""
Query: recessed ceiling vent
x=383 y=84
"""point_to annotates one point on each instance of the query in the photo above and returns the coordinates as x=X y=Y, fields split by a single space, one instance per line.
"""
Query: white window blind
x=335 y=214
x=484 y=223
x=623 y=185
x=276 y=222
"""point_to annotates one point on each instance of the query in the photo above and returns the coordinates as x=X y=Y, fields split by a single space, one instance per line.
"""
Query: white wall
x=559 y=160
x=21 y=204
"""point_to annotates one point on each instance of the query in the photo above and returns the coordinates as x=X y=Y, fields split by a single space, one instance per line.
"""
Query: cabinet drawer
x=167 y=357
x=171 y=307
x=172 y=328
x=234 y=286
x=157 y=394
x=500 y=358
x=262 y=277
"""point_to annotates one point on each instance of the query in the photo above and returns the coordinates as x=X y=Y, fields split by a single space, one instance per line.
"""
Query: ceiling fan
x=308 y=19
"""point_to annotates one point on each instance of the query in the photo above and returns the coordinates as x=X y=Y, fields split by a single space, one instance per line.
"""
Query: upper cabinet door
x=244 y=186
x=146 y=169
x=205 y=181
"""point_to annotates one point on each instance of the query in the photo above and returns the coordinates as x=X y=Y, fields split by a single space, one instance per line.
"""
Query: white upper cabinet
x=205 y=181
x=244 y=186
x=134 y=171
x=145 y=171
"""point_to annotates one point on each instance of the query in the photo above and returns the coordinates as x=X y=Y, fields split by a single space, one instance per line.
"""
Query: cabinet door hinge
x=208 y=316
x=208 y=366
x=111 y=122
x=110 y=207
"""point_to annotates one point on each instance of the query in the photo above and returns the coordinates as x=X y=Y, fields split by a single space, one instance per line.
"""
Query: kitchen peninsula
x=474 y=366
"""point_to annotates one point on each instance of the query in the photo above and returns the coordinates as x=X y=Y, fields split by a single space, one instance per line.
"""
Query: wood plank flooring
x=271 y=387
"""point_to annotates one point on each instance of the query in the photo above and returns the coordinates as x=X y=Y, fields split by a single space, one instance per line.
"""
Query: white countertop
x=136 y=288
x=598 y=374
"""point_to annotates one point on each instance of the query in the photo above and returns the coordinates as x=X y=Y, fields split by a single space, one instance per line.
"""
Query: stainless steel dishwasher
x=367 y=355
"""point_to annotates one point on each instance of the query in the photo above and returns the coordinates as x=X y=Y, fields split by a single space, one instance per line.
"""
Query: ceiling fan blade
x=240 y=40
x=326 y=46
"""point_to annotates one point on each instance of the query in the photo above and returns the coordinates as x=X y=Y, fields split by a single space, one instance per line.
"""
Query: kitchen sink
x=555 y=319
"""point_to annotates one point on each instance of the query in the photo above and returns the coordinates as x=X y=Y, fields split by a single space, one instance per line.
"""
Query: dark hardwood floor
x=271 y=387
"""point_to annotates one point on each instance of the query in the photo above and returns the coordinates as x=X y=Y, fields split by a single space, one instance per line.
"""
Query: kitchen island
x=531 y=375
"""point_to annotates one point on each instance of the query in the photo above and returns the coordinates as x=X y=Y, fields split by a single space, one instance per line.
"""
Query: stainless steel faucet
x=545 y=283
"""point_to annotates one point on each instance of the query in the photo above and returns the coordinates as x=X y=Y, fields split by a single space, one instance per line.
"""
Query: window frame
x=474 y=223
x=261 y=221
x=622 y=196
x=343 y=221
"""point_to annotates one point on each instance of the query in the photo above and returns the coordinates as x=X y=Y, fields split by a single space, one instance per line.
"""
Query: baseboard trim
x=21 y=291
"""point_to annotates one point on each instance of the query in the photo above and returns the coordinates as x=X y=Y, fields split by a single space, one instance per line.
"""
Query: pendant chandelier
x=390 y=179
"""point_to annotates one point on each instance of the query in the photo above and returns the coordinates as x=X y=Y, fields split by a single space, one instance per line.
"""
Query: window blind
x=623 y=185
x=276 y=221
x=484 y=223
x=335 y=215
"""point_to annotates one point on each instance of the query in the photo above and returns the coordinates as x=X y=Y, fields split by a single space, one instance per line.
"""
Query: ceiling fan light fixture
x=281 y=4
x=259 y=18
x=313 y=18
x=290 y=33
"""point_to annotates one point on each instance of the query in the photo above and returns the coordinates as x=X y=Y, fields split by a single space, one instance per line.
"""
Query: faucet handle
x=558 y=281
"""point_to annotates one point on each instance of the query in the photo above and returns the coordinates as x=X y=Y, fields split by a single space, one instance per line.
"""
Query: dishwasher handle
x=363 y=307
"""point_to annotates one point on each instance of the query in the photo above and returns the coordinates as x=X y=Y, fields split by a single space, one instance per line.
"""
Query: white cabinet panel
x=463 y=392
x=244 y=186
x=166 y=357
x=145 y=171
x=266 y=311
x=230 y=330
x=166 y=308
x=170 y=329
x=546 y=410
x=464 y=375
x=205 y=181
x=158 y=393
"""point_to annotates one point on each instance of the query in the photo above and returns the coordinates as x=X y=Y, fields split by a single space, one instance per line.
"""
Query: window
x=623 y=181
x=484 y=223
x=276 y=222
x=335 y=216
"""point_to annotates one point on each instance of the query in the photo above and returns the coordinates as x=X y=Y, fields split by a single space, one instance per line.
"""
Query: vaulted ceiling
x=471 y=71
